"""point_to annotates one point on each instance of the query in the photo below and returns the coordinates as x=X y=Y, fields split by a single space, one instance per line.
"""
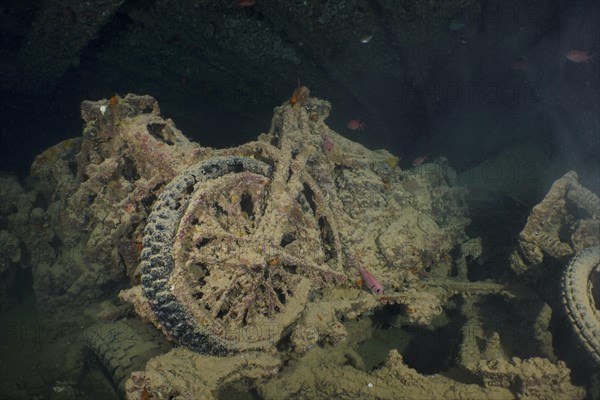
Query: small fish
x=370 y=281
x=355 y=124
x=456 y=25
x=579 y=56
x=419 y=160
x=246 y=3
x=519 y=66
x=366 y=39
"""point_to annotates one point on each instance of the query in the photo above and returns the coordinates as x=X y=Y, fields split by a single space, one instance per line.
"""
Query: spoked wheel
x=231 y=254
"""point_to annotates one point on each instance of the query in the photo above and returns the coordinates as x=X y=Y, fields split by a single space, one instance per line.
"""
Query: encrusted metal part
x=565 y=221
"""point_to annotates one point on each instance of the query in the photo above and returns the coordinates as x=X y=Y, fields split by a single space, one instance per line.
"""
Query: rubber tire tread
x=579 y=311
x=123 y=347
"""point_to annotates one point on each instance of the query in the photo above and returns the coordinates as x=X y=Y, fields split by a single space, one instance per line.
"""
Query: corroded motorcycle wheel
x=230 y=256
x=580 y=292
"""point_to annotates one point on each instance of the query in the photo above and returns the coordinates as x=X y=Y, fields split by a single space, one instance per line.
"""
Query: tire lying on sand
x=123 y=347
x=580 y=292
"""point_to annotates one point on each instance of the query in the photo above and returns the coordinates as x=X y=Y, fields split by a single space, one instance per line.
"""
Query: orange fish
x=246 y=3
x=355 y=124
x=419 y=160
x=579 y=56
